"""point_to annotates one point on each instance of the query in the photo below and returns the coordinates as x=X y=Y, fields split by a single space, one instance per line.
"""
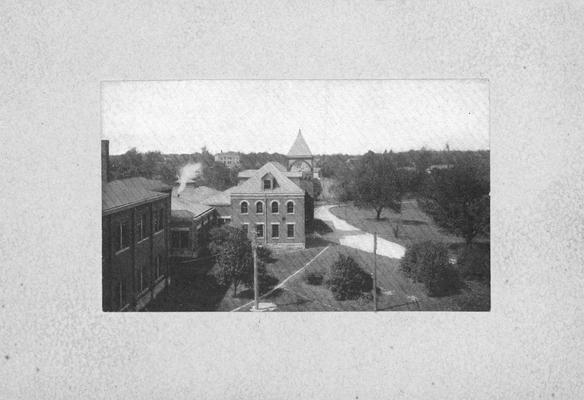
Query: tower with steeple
x=299 y=157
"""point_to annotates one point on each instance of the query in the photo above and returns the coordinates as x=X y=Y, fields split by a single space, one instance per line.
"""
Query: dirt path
x=350 y=236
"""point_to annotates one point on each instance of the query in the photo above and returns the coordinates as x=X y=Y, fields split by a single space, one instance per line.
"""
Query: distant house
x=135 y=236
x=230 y=159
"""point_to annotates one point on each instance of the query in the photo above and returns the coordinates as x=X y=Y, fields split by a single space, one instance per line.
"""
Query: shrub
x=427 y=262
x=475 y=263
x=265 y=254
x=347 y=280
x=313 y=278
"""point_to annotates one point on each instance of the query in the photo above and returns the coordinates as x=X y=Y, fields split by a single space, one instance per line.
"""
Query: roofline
x=211 y=208
x=265 y=193
x=113 y=210
x=200 y=214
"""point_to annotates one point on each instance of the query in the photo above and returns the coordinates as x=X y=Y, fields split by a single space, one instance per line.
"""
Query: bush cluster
x=313 y=278
x=347 y=280
x=427 y=262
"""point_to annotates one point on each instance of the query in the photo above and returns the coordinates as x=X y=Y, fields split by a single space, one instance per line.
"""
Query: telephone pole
x=255 y=273
x=375 y=271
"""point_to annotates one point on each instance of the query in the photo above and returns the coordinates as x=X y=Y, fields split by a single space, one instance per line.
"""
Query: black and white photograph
x=352 y=195
x=333 y=199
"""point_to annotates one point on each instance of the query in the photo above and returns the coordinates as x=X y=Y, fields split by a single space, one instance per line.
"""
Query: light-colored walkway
x=350 y=236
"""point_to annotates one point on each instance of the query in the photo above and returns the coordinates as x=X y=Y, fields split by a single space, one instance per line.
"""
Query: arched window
x=275 y=207
x=290 y=207
x=243 y=207
x=259 y=207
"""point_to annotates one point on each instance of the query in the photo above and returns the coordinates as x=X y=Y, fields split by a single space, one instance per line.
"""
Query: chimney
x=104 y=161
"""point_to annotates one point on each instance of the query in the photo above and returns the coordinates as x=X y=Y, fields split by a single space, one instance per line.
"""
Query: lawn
x=395 y=290
x=414 y=224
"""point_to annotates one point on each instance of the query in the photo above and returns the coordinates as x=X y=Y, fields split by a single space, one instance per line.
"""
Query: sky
x=335 y=116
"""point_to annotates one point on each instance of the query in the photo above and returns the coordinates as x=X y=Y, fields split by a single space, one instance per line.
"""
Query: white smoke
x=189 y=172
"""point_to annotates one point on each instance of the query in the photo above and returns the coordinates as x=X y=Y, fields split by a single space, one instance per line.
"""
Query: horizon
x=284 y=154
x=256 y=116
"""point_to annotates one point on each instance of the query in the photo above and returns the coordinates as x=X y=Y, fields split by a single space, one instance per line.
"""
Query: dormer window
x=267 y=184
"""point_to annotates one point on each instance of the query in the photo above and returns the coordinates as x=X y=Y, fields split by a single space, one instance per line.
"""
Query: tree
x=377 y=183
x=235 y=259
x=347 y=280
x=428 y=262
x=457 y=198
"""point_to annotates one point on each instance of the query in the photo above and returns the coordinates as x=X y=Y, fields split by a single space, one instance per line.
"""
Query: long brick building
x=135 y=239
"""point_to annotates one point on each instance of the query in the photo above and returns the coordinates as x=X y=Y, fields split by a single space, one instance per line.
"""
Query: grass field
x=414 y=224
x=396 y=292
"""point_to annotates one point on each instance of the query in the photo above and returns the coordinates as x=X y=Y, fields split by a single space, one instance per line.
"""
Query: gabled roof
x=299 y=148
x=180 y=203
x=122 y=193
x=254 y=184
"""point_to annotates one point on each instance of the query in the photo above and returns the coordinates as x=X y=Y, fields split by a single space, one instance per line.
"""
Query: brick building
x=271 y=206
x=135 y=236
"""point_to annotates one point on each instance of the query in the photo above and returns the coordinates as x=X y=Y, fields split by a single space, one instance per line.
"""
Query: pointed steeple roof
x=299 y=148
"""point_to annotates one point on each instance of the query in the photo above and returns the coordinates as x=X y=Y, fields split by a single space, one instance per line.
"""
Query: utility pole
x=375 y=271
x=255 y=273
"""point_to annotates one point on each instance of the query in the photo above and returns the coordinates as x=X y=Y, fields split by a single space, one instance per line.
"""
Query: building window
x=260 y=230
x=180 y=239
x=290 y=230
x=141 y=228
x=275 y=207
x=243 y=207
x=259 y=207
x=122 y=236
x=158 y=266
x=267 y=183
x=121 y=294
x=142 y=279
x=159 y=220
x=275 y=231
x=245 y=228
x=224 y=220
x=290 y=207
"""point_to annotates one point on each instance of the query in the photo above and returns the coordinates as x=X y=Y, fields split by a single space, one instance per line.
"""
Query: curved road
x=350 y=236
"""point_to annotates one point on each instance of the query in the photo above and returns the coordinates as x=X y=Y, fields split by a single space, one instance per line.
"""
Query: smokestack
x=104 y=161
